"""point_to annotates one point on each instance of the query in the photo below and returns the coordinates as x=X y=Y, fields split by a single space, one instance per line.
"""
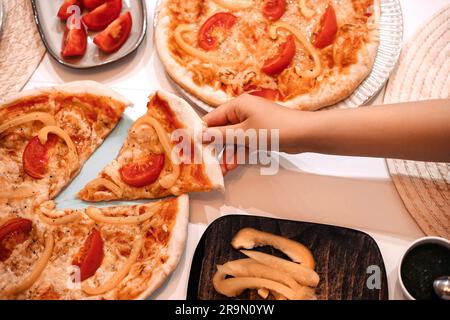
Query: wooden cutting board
x=342 y=256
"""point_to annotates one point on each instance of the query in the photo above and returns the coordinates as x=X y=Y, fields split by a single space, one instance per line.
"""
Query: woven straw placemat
x=424 y=73
x=21 y=48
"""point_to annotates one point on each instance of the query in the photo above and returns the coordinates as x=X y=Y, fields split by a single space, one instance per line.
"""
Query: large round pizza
x=304 y=54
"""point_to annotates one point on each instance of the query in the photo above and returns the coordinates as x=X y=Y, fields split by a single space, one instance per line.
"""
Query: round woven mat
x=21 y=48
x=424 y=73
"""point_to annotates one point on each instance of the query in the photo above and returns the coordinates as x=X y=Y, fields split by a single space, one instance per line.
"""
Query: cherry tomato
x=266 y=93
x=92 y=4
x=144 y=172
x=328 y=29
x=35 y=156
x=99 y=18
x=274 y=9
x=90 y=256
x=222 y=20
x=74 y=42
x=12 y=233
x=114 y=36
x=64 y=12
x=282 y=60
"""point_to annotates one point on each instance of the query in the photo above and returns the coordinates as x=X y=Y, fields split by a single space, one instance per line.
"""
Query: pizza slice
x=122 y=252
x=151 y=165
x=46 y=136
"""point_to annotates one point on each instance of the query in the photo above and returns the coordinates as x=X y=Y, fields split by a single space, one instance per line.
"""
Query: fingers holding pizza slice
x=161 y=156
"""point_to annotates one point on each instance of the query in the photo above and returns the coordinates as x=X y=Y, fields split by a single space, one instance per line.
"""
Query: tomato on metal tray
x=115 y=35
x=99 y=18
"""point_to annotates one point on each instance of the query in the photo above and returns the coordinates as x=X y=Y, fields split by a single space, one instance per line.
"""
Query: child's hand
x=250 y=112
x=413 y=130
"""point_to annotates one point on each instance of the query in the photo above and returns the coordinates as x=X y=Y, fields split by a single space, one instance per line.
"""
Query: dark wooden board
x=342 y=257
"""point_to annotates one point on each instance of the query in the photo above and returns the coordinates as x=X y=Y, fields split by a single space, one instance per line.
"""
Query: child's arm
x=414 y=131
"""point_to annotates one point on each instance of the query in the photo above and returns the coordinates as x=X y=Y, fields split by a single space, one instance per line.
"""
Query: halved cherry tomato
x=266 y=93
x=74 y=42
x=206 y=36
x=328 y=29
x=35 y=156
x=92 y=4
x=114 y=36
x=12 y=233
x=64 y=12
x=274 y=9
x=144 y=172
x=282 y=60
x=90 y=256
x=102 y=16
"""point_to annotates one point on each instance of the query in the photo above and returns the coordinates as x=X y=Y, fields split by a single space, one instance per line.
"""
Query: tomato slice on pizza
x=12 y=233
x=36 y=156
x=274 y=9
x=90 y=256
x=215 y=27
x=282 y=60
x=328 y=29
x=151 y=165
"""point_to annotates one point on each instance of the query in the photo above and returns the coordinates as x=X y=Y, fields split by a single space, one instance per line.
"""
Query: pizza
x=304 y=54
x=46 y=136
x=122 y=252
x=149 y=164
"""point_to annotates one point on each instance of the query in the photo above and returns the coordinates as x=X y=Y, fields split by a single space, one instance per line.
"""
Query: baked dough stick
x=150 y=165
x=46 y=135
x=344 y=39
x=119 y=252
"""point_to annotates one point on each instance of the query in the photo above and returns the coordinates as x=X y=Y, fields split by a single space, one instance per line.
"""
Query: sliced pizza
x=162 y=156
x=123 y=252
x=46 y=135
x=302 y=54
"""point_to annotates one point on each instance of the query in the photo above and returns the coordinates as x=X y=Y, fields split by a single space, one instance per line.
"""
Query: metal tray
x=51 y=31
x=391 y=39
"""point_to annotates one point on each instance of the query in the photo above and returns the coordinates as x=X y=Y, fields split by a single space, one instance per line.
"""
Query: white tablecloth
x=346 y=191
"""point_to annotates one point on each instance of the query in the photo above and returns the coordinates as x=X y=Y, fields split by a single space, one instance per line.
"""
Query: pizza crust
x=326 y=95
x=342 y=87
x=175 y=248
x=76 y=87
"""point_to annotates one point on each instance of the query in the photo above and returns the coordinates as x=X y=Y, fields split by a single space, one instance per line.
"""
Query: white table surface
x=346 y=191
